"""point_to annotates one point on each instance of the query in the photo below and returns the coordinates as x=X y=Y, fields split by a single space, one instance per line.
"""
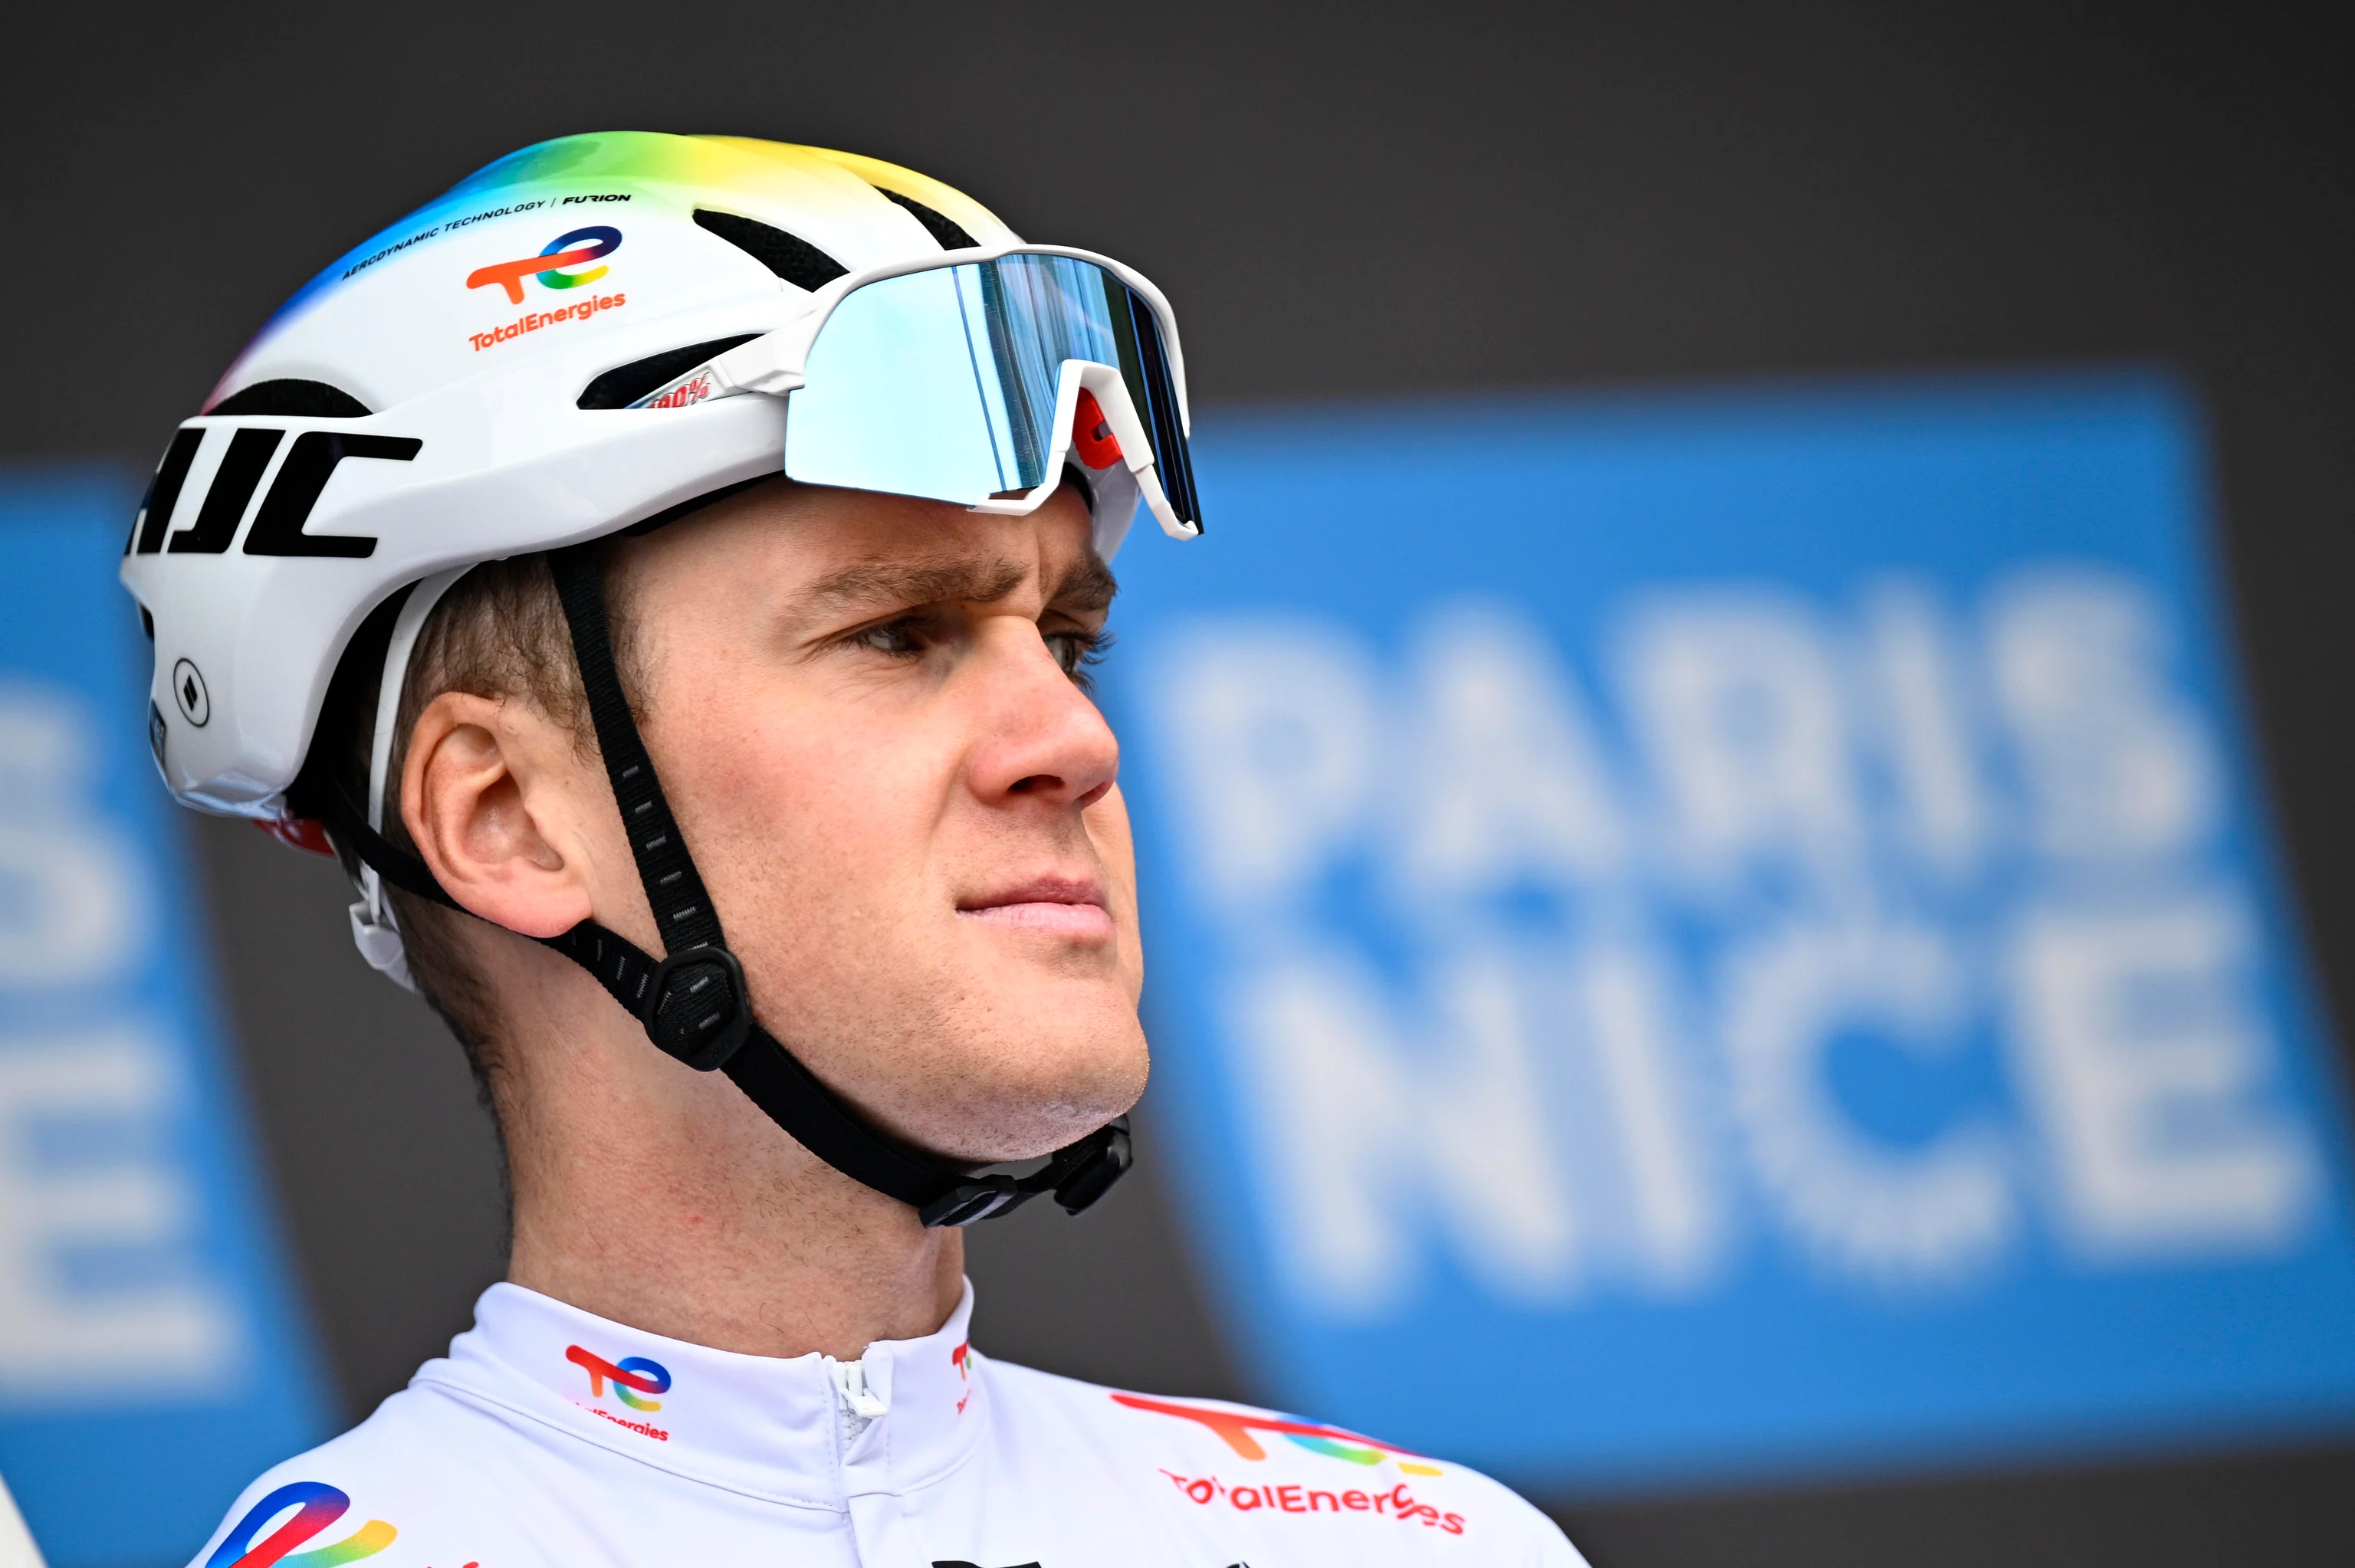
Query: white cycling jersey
x=552 y=1437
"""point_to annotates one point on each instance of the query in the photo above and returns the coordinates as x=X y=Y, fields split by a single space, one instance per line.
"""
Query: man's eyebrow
x=884 y=584
x=1087 y=584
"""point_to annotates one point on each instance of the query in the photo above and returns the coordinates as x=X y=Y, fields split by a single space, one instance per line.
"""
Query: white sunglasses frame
x=775 y=364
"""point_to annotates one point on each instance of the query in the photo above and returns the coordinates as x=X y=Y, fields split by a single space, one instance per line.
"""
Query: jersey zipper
x=857 y=1405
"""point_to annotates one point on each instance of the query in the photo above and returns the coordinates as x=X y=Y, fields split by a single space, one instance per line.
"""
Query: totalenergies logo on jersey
x=1237 y=1428
x=564 y=250
x=631 y=1376
x=319 y=1506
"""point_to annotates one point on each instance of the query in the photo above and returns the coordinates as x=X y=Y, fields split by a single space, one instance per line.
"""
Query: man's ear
x=481 y=797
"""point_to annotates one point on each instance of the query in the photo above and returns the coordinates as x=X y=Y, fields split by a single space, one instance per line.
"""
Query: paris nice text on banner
x=1753 y=913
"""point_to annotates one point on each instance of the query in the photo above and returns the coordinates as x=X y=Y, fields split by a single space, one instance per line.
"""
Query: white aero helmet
x=591 y=335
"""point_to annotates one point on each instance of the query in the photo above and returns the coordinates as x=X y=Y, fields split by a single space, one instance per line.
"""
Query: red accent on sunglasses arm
x=1091 y=435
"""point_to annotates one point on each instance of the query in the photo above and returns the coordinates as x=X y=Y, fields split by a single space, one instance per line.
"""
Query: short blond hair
x=499 y=633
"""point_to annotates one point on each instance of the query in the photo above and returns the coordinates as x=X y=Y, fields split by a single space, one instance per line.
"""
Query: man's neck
x=664 y=1200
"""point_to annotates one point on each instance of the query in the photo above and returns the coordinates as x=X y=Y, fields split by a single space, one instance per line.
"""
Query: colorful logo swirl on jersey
x=631 y=1376
x=564 y=250
x=1237 y=1426
x=321 y=1506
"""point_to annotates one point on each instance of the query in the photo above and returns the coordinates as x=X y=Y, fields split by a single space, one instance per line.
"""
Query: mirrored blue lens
x=943 y=384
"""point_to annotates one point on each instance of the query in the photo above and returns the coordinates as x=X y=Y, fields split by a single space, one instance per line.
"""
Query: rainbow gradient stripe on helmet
x=576 y=180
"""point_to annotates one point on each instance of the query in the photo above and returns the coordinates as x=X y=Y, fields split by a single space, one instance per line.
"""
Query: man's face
x=869 y=714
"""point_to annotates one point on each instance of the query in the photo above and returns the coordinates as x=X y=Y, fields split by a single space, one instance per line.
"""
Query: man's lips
x=1072 y=907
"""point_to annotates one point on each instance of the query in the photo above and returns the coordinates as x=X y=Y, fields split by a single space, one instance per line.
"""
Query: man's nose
x=1041 y=739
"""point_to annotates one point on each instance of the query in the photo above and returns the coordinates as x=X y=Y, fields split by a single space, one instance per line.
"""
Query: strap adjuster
x=698 y=1008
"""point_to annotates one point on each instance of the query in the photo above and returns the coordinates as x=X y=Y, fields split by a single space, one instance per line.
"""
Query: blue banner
x=1698 y=937
x=154 y=1356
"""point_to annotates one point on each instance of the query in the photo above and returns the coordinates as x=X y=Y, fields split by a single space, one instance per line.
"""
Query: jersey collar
x=782 y=1429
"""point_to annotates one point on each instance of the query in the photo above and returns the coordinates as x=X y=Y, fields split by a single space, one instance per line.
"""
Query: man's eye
x=901 y=639
x=1075 y=651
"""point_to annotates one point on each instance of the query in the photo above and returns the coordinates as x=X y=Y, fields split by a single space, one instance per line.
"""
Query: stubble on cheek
x=1108 y=831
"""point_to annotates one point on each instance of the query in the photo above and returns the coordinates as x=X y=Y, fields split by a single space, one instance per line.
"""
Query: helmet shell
x=284 y=530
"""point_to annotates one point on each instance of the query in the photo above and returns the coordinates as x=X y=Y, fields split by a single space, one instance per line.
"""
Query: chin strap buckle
x=1078 y=1175
x=698 y=1008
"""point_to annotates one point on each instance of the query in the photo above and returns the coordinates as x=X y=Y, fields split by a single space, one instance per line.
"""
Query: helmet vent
x=298 y=400
x=942 y=227
x=625 y=384
x=789 y=255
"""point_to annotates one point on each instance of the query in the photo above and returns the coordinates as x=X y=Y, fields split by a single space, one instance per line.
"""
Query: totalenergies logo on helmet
x=319 y=1506
x=564 y=250
x=631 y=1376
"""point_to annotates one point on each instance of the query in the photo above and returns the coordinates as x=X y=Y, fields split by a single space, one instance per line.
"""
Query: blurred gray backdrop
x=1342 y=200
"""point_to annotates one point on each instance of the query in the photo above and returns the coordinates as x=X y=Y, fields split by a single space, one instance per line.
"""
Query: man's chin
x=1030 y=1093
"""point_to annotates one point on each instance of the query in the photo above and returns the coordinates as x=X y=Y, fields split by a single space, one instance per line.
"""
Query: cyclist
x=665 y=569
